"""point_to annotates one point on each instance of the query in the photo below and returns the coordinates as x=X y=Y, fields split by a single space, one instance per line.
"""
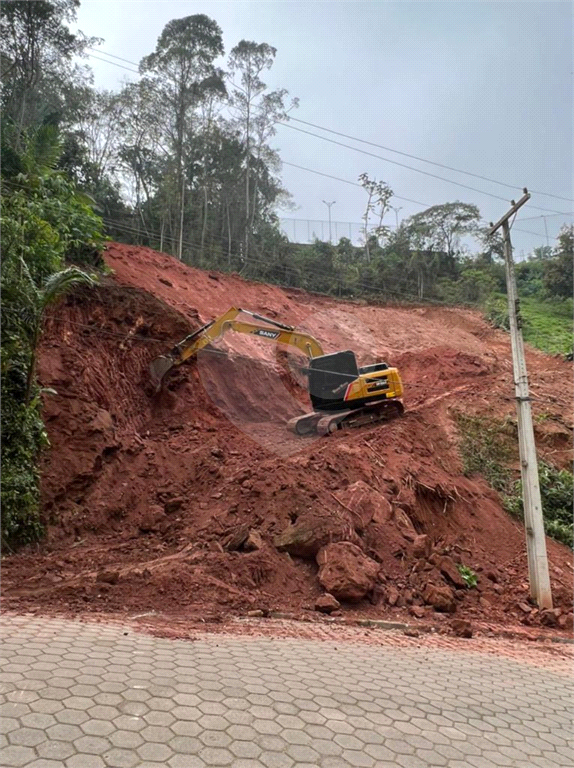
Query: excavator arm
x=265 y=328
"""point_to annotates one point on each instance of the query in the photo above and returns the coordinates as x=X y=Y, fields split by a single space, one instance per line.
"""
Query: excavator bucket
x=158 y=369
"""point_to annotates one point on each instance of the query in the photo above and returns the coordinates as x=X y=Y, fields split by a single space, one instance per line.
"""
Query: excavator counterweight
x=342 y=394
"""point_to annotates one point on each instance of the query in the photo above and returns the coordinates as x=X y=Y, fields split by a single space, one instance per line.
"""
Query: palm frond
x=43 y=149
x=61 y=282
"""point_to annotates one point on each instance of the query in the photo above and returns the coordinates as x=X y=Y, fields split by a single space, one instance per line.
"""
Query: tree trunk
x=253 y=208
x=180 y=250
x=366 y=218
x=204 y=223
x=228 y=237
x=30 y=376
x=247 y=170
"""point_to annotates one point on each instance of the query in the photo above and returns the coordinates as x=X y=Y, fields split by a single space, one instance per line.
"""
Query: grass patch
x=487 y=448
x=547 y=325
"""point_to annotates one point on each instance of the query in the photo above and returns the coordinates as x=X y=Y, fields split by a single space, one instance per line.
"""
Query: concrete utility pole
x=533 y=521
x=329 y=207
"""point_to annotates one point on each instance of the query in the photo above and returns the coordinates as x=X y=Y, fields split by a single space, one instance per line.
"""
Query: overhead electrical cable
x=113 y=63
x=403 y=165
x=310 y=170
x=424 y=205
x=112 y=56
x=291 y=268
x=354 y=183
x=546 y=216
x=424 y=160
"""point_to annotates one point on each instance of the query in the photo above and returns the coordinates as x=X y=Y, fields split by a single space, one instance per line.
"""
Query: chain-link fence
x=309 y=230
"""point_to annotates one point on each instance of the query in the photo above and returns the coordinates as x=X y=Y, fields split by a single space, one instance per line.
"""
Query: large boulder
x=346 y=572
x=327 y=603
x=448 y=568
x=461 y=627
x=365 y=504
x=314 y=530
x=422 y=547
x=441 y=598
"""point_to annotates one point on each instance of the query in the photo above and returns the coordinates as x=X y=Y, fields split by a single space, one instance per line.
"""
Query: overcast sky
x=481 y=86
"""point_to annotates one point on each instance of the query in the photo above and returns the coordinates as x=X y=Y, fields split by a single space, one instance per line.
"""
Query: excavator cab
x=329 y=378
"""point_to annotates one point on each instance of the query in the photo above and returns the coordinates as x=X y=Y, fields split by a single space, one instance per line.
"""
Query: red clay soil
x=149 y=500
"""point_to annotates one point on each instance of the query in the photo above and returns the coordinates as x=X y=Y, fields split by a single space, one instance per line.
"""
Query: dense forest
x=182 y=160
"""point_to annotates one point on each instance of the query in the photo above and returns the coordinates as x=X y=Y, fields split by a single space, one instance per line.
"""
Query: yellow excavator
x=342 y=394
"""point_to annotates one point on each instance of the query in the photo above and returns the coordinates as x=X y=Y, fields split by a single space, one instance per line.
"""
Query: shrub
x=556 y=492
x=44 y=222
x=486 y=449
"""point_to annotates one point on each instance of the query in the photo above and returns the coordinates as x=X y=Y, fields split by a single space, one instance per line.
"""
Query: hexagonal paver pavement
x=83 y=695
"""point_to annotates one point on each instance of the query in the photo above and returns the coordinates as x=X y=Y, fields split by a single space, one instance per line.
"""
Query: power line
x=310 y=170
x=529 y=232
x=294 y=270
x=346 y=181
x=424 y=205
x=409 y=167
x=423 y=160
x=546 y=216
x=113 y=63
x=113 y=56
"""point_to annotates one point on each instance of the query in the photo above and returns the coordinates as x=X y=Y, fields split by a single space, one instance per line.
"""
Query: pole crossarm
x=515 y=207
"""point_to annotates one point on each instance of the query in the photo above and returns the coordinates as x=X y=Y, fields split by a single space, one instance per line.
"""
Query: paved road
x=93 y=695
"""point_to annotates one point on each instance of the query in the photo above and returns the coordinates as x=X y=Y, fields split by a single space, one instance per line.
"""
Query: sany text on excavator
x=342 y=394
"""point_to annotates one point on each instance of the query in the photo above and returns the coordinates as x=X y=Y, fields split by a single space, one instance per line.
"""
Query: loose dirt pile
x=199 y=503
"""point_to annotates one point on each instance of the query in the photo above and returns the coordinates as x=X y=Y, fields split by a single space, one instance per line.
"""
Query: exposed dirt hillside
x=181 y=504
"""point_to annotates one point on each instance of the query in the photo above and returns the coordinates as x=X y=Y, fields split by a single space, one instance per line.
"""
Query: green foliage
x=545 y=324
x=548 y=324
x=189 y=45
x=529 y=277
x=558 y=271
x=496 y=312
x=556 y=491
x=40 y=80
x=544 y=283
x=474 y=286
x=469 y=576
x=23 y=436
x=44 y=223
x=486 y=449
x=440 y=227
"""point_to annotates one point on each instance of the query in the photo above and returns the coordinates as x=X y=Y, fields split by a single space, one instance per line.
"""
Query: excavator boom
x=199 y=339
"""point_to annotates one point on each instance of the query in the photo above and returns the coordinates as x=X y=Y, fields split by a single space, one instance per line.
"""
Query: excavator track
x=304 y=425
x=326 y=422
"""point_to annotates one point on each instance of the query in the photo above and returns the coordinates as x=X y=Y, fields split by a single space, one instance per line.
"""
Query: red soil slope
x=145 y=499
